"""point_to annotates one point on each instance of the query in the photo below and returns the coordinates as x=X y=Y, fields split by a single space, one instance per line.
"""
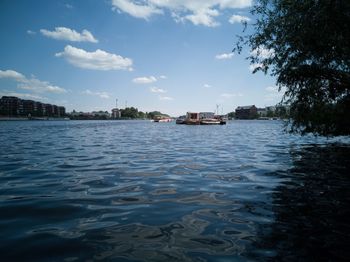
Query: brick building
x=11 y=106
x=246 y=112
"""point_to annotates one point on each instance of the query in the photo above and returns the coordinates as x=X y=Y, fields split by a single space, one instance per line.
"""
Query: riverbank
x=14 y=118
x=33 y=118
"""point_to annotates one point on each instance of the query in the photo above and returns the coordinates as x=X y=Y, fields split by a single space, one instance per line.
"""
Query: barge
x=202 y=118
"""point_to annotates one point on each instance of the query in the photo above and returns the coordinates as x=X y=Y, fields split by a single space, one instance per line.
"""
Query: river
x=143 y=191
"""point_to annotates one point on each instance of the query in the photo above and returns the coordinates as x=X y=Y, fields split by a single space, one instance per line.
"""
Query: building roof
x=245 y=107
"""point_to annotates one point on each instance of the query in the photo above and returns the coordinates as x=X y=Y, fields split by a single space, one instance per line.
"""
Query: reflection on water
x=312 y=207
x=139 y=191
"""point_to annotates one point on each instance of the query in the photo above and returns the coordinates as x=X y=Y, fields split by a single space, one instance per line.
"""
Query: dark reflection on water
x=140 y=191
x=312 y=207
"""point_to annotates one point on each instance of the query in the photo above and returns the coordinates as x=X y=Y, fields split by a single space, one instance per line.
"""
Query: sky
x=171 y=56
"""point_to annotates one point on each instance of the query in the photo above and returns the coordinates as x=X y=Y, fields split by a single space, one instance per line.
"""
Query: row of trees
x=280 y=112
x=133 y=113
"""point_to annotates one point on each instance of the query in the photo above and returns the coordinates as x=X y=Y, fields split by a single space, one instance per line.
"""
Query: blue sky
x=168 y=55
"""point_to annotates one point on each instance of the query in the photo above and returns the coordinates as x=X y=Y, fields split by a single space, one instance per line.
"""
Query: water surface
x=142 y=191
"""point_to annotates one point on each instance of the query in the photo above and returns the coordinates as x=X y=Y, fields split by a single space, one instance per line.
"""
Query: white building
x=116 y=113
x=262 y=112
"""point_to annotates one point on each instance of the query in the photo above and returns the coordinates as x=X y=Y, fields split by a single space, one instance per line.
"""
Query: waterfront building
x=246 y=112
x=61 y=111
x=55 y=110
x=48 y=110
x=116 y=113
x=11 y=106
x=262 y=112
x=26 y=107
x=39 y=110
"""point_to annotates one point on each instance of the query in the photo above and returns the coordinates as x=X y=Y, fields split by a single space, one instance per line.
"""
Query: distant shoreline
x=33 y=119
x=14 y=118
x=63 y=119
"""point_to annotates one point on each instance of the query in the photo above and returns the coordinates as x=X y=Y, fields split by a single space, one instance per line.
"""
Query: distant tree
x=129 y=112
x=270 y=113
x=282 y=112
x=141 y=115
x=254 y=116
x=152 y=114
x=231 y=115
x=306 y=46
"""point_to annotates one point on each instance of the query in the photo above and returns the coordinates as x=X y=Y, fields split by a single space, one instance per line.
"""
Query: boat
x=192 y=118
x=159 y=119
x=202 y=118
x=222 y=118
x=210 y=121
x=165 y=120
x=181 y=120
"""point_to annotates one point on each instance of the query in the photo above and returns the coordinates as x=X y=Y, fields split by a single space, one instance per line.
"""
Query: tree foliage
x=231 y=115
x=153 y=114
x=134 y=113
x=129 y=112
x=305 y=44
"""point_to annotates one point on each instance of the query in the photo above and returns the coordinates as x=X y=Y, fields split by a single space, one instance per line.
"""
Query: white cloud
x=238 y=19
x=228 y=95
x=163 y=77
x=167 y=98
x=224 y=56
x=207 y=86
x=36 y=85
x=204 y=17
x=254 y=66
x=12 y=75
x=157 y=90
x=273 y=89
x=199 y=12
x=262 y=52
x=98 y=60
x=136 y=9
x=30 y=32
x=64 y=33
x=104 y=95
x=22 y=95
x=145 y=80
x=32 y=83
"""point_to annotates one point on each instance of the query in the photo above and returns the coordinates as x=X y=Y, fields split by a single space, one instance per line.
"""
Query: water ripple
x=140 y=191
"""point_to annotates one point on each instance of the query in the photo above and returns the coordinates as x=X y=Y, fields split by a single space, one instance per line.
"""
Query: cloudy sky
x=168 y=55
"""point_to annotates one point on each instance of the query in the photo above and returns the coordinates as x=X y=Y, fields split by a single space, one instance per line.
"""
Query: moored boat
x=159 y=119
x=181 y=120
x=165 y=120
x=223 y=119
x=202 y=118
x=210 y=121
x=192 y=118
